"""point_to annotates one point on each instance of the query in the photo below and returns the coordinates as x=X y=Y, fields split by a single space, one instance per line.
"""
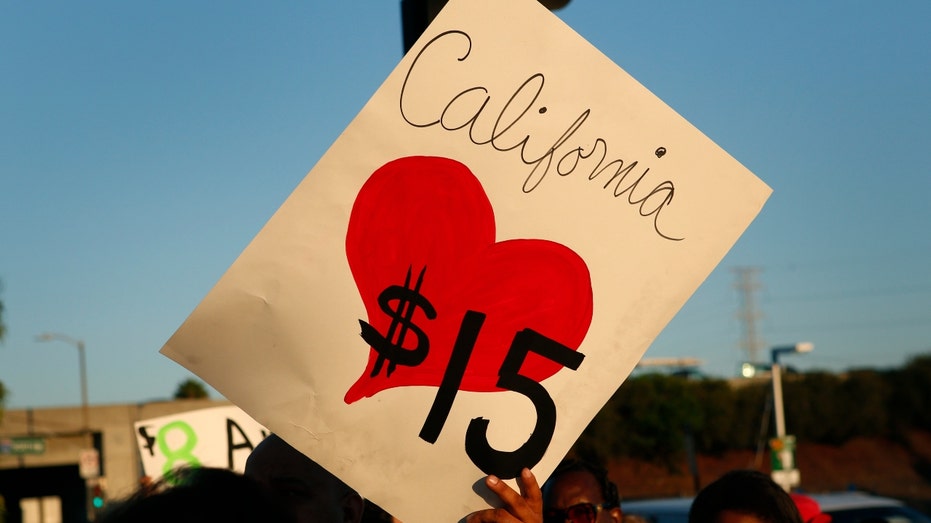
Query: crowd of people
x=280 y=484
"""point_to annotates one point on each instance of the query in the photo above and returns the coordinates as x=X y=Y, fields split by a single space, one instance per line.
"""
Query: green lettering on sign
x=20 y=446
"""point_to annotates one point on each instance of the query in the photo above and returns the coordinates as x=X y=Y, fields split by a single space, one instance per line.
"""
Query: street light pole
x=777 y=381
x=785 y=472
x=85 y=407
x=777 y=397
x=90 y=478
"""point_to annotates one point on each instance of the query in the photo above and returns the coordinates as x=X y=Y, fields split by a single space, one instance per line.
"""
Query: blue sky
x=143 y=145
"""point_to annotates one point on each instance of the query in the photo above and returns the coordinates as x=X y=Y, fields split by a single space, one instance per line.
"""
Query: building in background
x=47 y=471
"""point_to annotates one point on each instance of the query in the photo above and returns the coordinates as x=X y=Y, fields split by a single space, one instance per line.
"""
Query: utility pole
x=785 y=471
x=748 y=313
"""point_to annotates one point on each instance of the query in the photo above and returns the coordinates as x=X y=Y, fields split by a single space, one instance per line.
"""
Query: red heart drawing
x=430 y=217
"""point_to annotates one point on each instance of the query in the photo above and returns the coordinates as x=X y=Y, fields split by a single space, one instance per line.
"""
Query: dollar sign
x=406 y=300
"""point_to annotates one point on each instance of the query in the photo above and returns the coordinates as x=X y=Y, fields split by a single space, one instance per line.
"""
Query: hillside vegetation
x=869 y=429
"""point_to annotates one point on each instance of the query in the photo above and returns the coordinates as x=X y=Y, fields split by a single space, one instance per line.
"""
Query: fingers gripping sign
x=523 y=507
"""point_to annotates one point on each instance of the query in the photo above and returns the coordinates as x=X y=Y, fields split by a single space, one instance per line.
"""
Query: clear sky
x=144 y=144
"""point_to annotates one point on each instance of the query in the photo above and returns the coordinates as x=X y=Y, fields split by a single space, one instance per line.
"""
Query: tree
x=191 y=389
x=910 y=395
x=647 y=417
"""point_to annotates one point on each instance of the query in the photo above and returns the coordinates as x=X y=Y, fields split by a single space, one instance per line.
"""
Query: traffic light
x=98 y=497
x=416 y=15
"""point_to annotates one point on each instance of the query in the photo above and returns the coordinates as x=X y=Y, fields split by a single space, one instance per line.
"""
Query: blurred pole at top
x=416 y=15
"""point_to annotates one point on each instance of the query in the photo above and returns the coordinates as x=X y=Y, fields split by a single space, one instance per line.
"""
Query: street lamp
x=804 y=346
x=91 y=475
x=784 y=472
x=51 y=336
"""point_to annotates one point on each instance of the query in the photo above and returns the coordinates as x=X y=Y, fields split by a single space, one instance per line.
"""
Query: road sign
x=782 y=453
x=24 y=445
x=89 y=463
x=782 y=459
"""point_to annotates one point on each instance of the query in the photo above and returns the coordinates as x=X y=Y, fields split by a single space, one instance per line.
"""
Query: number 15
x=504 y=464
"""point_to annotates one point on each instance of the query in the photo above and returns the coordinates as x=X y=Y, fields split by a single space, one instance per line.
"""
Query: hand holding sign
x=525 y=506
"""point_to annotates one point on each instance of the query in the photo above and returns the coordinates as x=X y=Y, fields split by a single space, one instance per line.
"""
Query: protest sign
x=473 y=267
x=221 y=437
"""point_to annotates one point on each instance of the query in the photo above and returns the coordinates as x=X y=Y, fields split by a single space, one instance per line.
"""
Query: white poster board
x=221 y=437
x=510 y=210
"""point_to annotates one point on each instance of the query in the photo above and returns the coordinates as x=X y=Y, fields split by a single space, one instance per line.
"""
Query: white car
x=857 y=507
x=659 y=510
x=844 y=507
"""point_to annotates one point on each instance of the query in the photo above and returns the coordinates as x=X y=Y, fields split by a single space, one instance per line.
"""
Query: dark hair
x=608 y=489
x=748 y=492
x=197 y=495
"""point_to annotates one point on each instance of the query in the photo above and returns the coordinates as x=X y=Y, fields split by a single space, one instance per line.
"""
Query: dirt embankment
x=894 y=469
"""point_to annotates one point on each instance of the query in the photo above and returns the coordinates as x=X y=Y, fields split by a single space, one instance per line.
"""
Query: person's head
x=198 y=495
x=580 y=492
x=304 y=488
x=743 y=496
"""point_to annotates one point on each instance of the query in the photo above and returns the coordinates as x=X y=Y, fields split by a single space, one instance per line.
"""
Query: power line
x=914 y=254
x=857 y=324
x=856 y=293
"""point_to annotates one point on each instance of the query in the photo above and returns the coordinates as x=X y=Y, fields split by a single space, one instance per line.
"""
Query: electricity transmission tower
x=748 y=313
